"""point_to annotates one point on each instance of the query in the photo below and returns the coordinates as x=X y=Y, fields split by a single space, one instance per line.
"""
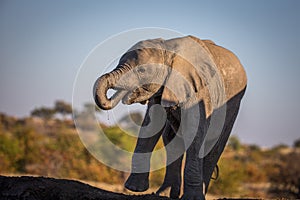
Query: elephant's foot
x=193 y=197
x=174 y=192
x=137 y=182
x=174 y=183
x=193 y=194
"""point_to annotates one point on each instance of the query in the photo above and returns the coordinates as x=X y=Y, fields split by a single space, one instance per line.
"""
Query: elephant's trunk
x=102 y=85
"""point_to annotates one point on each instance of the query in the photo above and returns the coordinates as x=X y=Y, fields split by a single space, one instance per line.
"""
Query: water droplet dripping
x=107 y=115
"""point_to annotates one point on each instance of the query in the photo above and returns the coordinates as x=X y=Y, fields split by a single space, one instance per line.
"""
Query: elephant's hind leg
x=210 y=161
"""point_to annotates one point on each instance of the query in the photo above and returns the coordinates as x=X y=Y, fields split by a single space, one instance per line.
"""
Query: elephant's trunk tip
x=101 y=86
x=103 y=106
x=99 y=91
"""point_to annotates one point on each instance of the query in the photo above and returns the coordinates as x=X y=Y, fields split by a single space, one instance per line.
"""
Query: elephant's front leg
x=149 y=134
x=175 y=150
x=138 y=181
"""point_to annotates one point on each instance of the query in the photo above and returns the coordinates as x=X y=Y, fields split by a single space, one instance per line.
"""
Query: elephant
x=199 y=86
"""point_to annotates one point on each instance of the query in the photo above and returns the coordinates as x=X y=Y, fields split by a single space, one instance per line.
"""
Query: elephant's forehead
x=153 y=43
x=139 y=58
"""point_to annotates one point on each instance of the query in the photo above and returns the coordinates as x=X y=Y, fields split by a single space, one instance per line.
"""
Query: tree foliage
x=46 y=113
x=286 y=180
x=234 y=143
x=43 y=112
x=297 y=143
x=62 y=107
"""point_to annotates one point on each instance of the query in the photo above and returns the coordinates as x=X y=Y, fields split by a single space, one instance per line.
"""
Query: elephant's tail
x=216 y=172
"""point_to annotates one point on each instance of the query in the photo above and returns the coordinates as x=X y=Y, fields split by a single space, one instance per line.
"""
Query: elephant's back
x=232 y=71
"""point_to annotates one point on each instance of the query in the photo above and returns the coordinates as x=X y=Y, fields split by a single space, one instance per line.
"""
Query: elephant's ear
x=193 y=75
x=182 y=84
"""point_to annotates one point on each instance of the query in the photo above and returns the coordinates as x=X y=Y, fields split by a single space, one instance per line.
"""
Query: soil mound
x=37 y=188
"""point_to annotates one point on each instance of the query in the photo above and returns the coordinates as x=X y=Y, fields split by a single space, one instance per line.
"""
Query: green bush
x=10 y=153
x=231 y=177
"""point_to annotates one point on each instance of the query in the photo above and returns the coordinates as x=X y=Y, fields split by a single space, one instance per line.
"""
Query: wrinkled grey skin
x=147 y=74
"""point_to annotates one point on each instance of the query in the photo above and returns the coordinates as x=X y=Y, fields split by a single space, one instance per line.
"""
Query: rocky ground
x=41 y=188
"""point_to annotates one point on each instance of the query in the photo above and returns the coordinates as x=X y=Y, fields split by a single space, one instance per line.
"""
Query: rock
x=36 y=188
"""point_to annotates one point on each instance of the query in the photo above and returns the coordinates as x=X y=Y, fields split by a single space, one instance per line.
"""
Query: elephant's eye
x=141 y=70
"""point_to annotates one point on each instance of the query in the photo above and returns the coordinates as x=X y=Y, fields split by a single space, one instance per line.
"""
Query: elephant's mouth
x=138 y=95
x=126 y=94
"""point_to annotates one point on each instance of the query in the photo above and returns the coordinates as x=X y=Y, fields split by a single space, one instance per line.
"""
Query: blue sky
x=43 y=44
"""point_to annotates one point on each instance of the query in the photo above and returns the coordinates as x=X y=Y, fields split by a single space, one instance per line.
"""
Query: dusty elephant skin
x=41 y=188
x=199 y=85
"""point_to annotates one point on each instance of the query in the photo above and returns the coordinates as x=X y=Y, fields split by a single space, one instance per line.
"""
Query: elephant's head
x=137 y=77
x=150 y=68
